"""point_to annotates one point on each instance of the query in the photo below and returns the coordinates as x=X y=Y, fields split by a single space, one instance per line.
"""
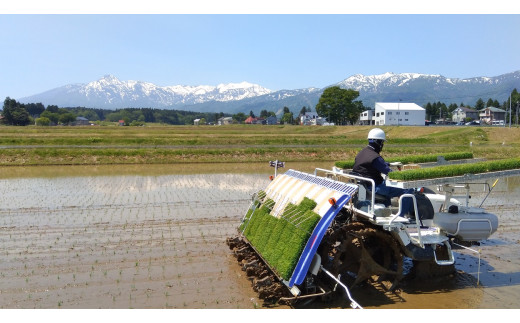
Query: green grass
x=97 y=145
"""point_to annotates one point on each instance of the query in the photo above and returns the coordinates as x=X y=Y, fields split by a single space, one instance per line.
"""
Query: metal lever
x=495 y=183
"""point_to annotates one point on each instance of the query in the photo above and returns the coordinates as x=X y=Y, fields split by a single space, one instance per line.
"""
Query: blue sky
x=278 y=51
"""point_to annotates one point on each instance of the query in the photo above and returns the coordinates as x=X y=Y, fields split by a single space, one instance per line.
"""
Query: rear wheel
x=429 y=268
x=359 y=253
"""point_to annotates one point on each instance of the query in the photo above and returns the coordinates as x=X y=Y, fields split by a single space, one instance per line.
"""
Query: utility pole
x=398 y=112
x=510 y=111
x=517 y=107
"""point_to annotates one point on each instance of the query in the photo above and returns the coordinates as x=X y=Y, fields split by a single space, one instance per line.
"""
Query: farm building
x=81 y=121
x=398 y=113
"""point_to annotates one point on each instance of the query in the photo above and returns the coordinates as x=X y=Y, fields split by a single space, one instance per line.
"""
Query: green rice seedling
x=281 y=240
x=456 y=170
x=256 y=220
x=296 y=244
x=274 y=241
x=414 y=159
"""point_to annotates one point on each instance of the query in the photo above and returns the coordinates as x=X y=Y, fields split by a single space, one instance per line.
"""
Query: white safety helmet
x=377 y=134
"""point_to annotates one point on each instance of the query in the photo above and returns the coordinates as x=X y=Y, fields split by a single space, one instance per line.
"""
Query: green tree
x=34 y=109
x=114 y=116
x=42 y=121
x=513 y=101
x=264 y=114
x=353 y=114
x=7 y=110
x=218 y=116
x=14 y=113
x=338 y=106
x=480 y=104
x=492 y=103
x=438 y=110
x=443 y=110
x=240 y=117
x=147 y=114
x=52 y=108
x=67 y=118
x=52 y=116
x=431 y=112
x=287 y=118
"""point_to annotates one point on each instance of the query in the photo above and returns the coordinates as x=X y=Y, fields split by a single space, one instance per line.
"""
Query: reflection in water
x=153 y=169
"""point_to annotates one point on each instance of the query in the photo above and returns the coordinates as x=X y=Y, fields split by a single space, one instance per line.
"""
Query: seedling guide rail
x=453 y=180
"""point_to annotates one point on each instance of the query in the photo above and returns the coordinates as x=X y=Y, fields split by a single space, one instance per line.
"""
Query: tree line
x=439 y=110
x=20 y=114
x=336 y=105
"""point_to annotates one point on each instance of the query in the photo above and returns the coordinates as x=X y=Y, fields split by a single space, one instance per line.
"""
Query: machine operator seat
x=367 y=187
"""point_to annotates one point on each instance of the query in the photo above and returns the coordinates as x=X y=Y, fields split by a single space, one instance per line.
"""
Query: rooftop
x=398 y=106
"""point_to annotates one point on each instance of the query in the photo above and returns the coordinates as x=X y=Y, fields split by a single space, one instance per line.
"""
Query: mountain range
x=111 y=93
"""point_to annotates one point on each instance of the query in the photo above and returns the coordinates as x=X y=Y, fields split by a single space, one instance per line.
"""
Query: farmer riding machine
x=313 y=236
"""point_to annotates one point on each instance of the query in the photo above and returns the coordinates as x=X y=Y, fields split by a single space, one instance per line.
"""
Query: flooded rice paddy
x=153 y=236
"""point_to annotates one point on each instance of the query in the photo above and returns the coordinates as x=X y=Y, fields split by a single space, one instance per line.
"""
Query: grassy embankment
x=97 y=145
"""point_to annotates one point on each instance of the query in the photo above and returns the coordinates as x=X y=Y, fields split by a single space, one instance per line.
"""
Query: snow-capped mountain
x=381 y=82
x=424 y=88
x=111 y=93
x=373 y=83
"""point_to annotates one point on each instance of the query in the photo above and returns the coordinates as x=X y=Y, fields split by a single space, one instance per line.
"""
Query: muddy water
x=153 y=237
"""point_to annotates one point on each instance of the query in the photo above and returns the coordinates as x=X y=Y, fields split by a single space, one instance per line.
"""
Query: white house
x=307 y=118
x=366 y=118
x=312 y=119
x=460 y=114
x=224 y=121
x=398 y=114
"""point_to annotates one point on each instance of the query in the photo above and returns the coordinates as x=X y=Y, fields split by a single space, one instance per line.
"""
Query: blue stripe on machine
x=314 y=241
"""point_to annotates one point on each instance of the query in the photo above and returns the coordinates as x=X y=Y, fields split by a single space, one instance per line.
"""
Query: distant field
x=156 y=144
